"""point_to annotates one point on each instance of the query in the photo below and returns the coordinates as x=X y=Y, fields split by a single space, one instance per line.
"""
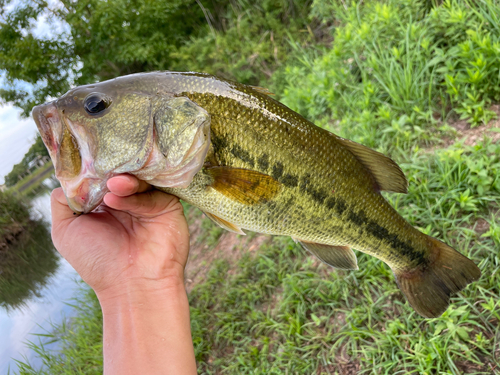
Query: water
x=43 y=309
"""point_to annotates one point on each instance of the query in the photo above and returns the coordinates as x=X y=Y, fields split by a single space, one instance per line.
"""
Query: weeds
x=282 y=311
x=81 y=342
x=397 y=72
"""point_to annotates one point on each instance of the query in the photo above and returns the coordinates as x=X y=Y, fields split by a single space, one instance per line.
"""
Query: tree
x=20 y=169
x=101 y=39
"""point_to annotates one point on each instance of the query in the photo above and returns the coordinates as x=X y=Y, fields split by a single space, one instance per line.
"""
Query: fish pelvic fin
x=243 y=185
x=387 y=174
x=224 y=224
x=341 y=257
x=429 y=286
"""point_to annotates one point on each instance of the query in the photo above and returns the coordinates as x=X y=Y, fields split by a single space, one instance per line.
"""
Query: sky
x=16 y=137
x=16 y=134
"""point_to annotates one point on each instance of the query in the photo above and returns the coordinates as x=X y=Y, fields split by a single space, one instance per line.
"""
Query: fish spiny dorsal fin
x=387 y=174
x=243 y=185
x=224 y=224
x=262 y=90
x=341 y=257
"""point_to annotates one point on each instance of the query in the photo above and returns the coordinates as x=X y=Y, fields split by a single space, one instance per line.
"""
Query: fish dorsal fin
x=336 y=256
x=224 y=224
x=262 y=90
x=387 y=174
x=243 y=185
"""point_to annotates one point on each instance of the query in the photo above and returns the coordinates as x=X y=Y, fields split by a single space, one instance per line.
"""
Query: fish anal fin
x=341 y=257
x=243 y=185
x=262 y=90
x=429 y=286
x=224 y=224
x=388 y=175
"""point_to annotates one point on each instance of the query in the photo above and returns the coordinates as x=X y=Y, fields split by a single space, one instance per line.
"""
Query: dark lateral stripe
x=377 y=230
x=359 y=218
x=289 y=180
x=218 y=142
x=318 y=195
x=277 y=171
x=241 y=154
x=263 y=162
x=336 y=203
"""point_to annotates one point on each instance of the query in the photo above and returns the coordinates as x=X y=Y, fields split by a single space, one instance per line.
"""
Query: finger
x=151 y=203
x=59 y=207
x=125 y=185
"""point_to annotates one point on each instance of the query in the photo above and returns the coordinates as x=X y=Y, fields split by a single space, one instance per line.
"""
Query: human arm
x=132 y=251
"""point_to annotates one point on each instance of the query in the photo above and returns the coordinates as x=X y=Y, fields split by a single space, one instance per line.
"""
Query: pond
x=25 y=312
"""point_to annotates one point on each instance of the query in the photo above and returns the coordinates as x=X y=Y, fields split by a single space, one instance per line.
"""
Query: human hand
x=132 y=251
x=137 y=239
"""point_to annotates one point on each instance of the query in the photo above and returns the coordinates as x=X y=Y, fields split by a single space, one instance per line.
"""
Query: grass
x=281 y=311
x=81 y=342
x=210 y=233
x=397 y=76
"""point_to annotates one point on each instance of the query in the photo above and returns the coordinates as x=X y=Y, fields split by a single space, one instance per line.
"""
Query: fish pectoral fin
x=262 y=90
x=387 y=174
x=224 y=224
x=243 y=185
x=336 y=256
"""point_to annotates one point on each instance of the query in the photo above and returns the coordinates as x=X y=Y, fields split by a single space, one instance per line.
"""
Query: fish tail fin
x=428 y=287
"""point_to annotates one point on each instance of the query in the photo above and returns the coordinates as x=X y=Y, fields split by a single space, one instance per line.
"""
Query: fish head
x=125 y=125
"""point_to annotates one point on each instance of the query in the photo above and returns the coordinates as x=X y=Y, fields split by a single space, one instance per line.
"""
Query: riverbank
x=31 y=182
x=14 y=216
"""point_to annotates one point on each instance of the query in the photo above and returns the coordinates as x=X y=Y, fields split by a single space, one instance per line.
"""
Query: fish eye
x=95 y=103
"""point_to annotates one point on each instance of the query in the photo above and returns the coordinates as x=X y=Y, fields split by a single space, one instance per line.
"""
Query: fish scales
x=308 y=162
x=248 y=162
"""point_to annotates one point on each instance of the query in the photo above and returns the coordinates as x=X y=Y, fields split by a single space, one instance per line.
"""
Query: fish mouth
x=84 y=194
x=72 y=158
x=49 y=125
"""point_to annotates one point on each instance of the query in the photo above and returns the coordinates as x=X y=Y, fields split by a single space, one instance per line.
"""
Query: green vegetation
x=37 y=150
x=210 y=232
x=27 y=256
x=81 y=343
x=104 y=39
x=397 y=71
x=396 y=77
x=14 y=214
x=280 y=310
x=32 y=182
x=26 y=264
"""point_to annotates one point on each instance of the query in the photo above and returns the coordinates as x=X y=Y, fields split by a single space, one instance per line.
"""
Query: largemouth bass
x=248 y=162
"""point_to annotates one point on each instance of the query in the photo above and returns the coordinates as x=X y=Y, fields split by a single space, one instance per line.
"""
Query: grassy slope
x=277 y=310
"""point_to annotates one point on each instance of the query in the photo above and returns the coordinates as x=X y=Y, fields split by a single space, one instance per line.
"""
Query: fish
x=249 y=163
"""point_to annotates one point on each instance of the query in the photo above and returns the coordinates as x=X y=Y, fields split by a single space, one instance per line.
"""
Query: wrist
x=141 y=293
x=146 y=328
